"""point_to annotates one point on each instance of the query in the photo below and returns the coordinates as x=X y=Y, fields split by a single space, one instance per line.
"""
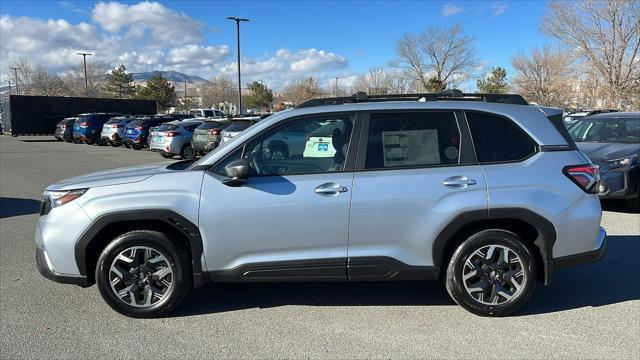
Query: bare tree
x=97 y=79
x=219 y=90
x=442 y=56
x=25 y=72
x=45 y=83
x=301 y=90
x=605 y=35
x=544 y=77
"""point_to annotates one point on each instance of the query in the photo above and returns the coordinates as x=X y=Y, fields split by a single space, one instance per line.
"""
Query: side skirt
x=334 y=269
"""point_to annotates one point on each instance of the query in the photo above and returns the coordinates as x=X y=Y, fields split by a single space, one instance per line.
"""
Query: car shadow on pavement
x=618 y=206
x=611 y=280
x=10 y=207
x=216 y=298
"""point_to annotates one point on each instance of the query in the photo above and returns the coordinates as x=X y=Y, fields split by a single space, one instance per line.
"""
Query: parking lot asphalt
x=592 y=311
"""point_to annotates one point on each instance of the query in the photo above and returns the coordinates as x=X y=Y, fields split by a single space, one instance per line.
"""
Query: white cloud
x=450 y=10
x=498 y=9
x=148 y=19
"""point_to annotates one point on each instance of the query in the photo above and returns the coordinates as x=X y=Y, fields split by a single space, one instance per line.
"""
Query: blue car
x=87 y=127
x=136 y=133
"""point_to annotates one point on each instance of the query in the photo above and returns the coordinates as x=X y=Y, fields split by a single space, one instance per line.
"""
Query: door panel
x=273 y=218
x=399 y=213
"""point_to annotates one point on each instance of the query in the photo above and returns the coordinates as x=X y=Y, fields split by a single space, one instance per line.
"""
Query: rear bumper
x=577 y=259
x=45 y=270
x=203 y=147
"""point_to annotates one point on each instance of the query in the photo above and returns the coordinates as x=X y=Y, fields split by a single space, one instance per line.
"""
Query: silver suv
x=174 y=138
x=483 y=191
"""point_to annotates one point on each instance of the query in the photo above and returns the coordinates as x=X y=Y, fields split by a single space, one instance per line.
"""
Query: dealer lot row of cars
x=185 y=135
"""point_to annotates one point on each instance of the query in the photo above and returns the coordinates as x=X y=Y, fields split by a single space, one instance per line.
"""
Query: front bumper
x=577 y=259
x=620 y=183
x=44 y=267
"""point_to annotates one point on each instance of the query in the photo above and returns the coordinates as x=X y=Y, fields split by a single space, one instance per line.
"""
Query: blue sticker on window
x=323 y=147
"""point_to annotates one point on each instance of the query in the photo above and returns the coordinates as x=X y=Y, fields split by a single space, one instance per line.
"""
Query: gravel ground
x=592 y=311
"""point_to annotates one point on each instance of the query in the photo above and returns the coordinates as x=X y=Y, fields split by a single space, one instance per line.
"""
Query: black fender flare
x=171 y=218
x=544 y=241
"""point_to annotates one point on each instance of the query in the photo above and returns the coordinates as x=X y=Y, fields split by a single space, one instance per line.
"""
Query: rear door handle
x=459 y=182
x=330 y=189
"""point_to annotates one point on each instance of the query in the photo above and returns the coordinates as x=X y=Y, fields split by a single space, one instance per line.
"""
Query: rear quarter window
x=498 y=139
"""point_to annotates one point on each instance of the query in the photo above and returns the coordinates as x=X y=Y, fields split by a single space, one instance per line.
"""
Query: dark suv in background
x=87 y=127
x=64 y=129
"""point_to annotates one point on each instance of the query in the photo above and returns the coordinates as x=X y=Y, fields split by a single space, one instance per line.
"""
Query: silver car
x=113 y=130
x=237 y=126
x=484 y=191
x=174 y=138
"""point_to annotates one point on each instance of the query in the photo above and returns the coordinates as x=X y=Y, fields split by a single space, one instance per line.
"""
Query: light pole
x=15 y=71
x=238 y=20
x=336 y=87
x=9 y=81
x=86 y=82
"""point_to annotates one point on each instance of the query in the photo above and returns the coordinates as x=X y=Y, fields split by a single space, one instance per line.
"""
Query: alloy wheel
x=493 y=275
x=141 y=276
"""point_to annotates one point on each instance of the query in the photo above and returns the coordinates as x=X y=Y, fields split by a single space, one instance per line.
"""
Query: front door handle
x=330 y=189
x=459 y=182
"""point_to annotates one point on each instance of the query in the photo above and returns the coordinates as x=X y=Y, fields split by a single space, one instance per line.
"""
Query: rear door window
x=498 y=139
x=412 y=139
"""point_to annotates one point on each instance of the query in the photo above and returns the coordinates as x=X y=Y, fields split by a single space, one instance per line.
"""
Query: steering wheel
x=255 y=160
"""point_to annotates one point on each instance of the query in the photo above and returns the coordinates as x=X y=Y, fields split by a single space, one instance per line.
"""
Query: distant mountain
x=173 y=76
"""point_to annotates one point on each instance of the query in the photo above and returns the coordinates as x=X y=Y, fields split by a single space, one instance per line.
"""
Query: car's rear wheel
x=136 y=147
x=492 y=273
x=167 y=156
x=127 y=145
x=278 y=152
x=187 y=152
x=143 y=274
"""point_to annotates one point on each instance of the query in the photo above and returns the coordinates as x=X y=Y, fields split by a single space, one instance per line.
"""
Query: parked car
x=612 y=141
x=174 y=138
x=573 y=117
x=207 y=136
x=237 y=126
x=136 y=132
x=64 y=129
x=484 y=191
x=167 y=118
x=87 y=127
x=113 y=130
x=207 y=113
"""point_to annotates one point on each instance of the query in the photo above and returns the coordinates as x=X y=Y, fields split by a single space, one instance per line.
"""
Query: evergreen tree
x=260 y=96
x=159 y=89
x=434 y=85
x=495 y=83
x=120 y=83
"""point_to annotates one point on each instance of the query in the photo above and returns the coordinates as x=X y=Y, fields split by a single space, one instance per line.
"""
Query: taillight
x=115 y=126
x=173 y=133
x=586 y=176
x=214 y=132
x=140 y=127
x=84 y=124
x=65 y=126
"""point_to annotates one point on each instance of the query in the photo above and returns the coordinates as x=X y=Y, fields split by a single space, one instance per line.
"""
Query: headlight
x=624 y=161
x=57 y=198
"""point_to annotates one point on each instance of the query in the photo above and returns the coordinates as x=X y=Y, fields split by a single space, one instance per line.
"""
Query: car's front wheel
x=143 y=274
x=492 y=273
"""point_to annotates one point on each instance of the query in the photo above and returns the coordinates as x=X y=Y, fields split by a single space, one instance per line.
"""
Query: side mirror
x=237 y=171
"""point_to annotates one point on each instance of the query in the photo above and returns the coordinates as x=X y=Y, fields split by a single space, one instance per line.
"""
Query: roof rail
x=453 y=94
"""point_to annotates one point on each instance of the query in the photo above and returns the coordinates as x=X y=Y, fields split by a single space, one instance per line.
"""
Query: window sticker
x=319 y=147
x=410 y=147
x=451 y=152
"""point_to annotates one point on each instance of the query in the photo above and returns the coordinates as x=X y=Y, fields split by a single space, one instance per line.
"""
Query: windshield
x=611 y=130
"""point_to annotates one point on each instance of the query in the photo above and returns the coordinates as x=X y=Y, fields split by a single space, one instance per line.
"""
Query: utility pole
x=15 y=71
x=9 y=81
x=336 y=87
x=86 y=82
x=238 y=20
x=185 y=86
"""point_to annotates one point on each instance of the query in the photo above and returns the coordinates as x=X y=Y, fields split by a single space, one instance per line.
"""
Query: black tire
x=187 y=152
x=177 y=257
x=136 y=147
x=167 y=156
x=127 y=145
x=465 y=251
x=89 y=142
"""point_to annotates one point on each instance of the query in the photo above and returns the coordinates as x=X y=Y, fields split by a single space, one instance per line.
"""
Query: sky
x=284 y=40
